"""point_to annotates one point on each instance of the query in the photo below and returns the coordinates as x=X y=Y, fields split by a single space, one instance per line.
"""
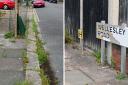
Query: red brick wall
x=116 y=52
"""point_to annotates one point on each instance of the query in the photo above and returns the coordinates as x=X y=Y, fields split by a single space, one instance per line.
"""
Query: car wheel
x=5 y=7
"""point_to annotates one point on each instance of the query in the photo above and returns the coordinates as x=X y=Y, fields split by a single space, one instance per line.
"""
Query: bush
x=9 y=35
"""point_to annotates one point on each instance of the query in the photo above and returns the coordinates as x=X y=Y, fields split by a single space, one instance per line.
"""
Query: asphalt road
x=51 y=24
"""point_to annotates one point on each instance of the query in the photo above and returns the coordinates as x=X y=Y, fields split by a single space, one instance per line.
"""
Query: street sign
x=112 y=33
x=80 y=34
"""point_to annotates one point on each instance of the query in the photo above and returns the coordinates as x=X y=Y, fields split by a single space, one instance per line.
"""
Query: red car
x=7 y=4
x=38 y=3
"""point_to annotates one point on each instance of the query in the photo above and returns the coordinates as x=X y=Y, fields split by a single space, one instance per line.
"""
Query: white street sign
x=112 y=33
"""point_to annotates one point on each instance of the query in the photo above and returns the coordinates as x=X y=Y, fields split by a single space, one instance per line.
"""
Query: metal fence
x=72 y=17
x=94 y=11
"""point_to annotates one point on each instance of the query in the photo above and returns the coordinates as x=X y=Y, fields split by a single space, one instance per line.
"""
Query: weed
x=68 y=38
x=112 y=63
x=97 y=54
x=25 y=82
x=25 y=59
x=44 y=78
x=42 y=54
x=9 y=35
x=121 y=76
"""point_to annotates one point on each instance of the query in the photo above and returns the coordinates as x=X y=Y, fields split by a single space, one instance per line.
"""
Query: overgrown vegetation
x=97 y=54
x=25 y=82
x=112 y=63
x=44 y=78
x=42 y=55
x=121 y=76
x=9 y=35
x=68 y=38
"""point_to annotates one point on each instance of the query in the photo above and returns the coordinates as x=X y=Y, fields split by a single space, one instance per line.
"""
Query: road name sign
x=112 y=33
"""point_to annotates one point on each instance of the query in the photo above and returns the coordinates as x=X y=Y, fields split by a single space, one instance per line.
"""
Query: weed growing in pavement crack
x=97 y=54
x=42 y=54
x=121 y=76
x=9 y=35
x=25 y=82
x=44 y=78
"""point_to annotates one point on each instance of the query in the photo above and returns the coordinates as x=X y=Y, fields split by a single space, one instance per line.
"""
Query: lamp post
x=81 y=24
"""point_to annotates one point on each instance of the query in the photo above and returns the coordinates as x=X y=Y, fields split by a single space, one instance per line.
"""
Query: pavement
x=51 y=26
x=11 y=65
x=83 y=69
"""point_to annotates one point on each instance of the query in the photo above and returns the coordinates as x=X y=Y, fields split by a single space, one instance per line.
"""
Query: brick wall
x=116 y=52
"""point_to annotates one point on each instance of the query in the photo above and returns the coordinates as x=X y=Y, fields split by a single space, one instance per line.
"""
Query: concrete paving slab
x=75 y=77
x=10 y=77
x=11 y=64
x=87 y=65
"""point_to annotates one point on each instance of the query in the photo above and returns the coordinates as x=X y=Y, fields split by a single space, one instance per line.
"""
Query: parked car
x=7 y=4
x=38 y=3
x=53 y=1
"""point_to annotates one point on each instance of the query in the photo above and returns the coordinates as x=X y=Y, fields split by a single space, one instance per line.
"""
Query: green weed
x=121 y=76
x=9 y=35
x=97 y=54
x=25 y=82
x=68 y=38
x=44 y=78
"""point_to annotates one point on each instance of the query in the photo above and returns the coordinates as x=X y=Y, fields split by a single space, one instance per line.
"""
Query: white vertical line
x=64 y=42
x=81 y=23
